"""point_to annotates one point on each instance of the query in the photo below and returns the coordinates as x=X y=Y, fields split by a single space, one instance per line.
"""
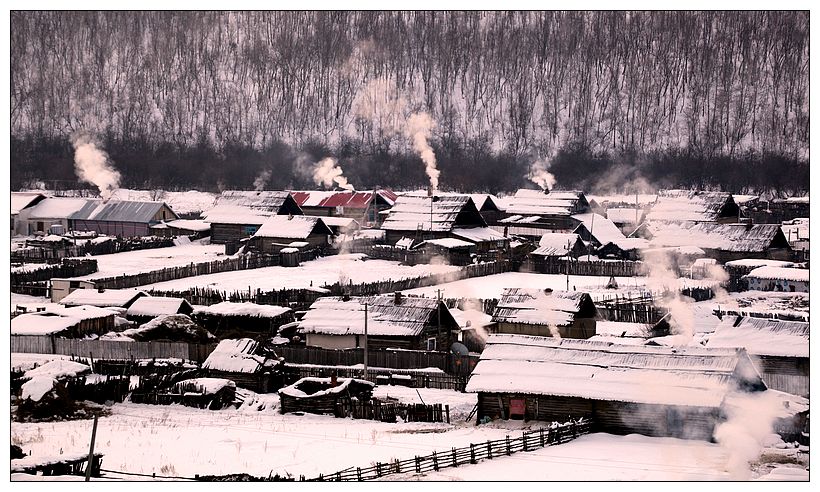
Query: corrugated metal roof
x=439 y=213
x=292 y=227
x=687 y=205
x=347 y=199
x=270 y=201
x=762 y=336
x=725 y=237
x=119 y=211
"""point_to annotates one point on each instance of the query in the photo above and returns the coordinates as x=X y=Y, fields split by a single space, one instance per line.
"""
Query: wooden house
x=231 y=319
x=72 y=322
x=397 y=321
x=723 y=242
x=533 y=212
x=22 y=204
x=485 y=239
x=322 y=395
x=738 y=269
x=246 y=363
x=52 y=211
x=430 y=217
x=778 y=279
x=655 y=391
x=147 y=308
x=625 y=219
x=280 y=231
x=239 y=214
x=777 y=210
x=182 y=227
x=630 y=248
x=453 y=251
x=596 y=229
x=120 y=217
x=364 y=206
x=779 y=349
x=681 y=206
x=120 y=298
x=545 y=313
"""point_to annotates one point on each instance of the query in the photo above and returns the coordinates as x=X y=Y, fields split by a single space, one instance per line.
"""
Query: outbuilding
x=778 y=279
x=238 y=215
x=120 y=217
x=229 y=319
x=279 y=231
x=546 y=313
x=245 y=362
x=147 y=308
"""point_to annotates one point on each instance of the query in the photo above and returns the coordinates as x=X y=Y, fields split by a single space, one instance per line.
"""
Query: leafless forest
x=208 y=99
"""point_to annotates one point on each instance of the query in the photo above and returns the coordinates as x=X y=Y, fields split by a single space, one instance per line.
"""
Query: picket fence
x=109 y=349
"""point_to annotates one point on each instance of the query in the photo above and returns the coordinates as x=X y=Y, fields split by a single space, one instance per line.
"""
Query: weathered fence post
x=435 y=461
x=524 y=440
x=359 y=473
x=418 y=465
x=507 y=439
x=455 y=461
x=447 y=409
x=489 y=449
x=541 y=432
x=472 y=453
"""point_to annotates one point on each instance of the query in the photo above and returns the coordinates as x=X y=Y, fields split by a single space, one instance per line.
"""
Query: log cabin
x=545 y=313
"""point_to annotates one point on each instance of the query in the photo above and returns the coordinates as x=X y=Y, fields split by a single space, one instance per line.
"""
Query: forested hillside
x=214 y=99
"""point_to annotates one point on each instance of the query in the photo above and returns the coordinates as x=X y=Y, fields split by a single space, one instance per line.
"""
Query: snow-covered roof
x=538 y=202
x=334 y=316
x=292 y=227
x=762 y=336
x=438 y=213
x=630 y=243
x=21 y=200
x=607 y=371
x=754 y=262
x=343 y=222
x=342 y=387
x=599 y=227
x=725 y=237
x=58 y=368
x=624 y=215
x=448 y=243
x=405 y=242
x=556 y=244
x=229 y=213
x=59 y=208
x=687 y=205
x=181 y=202
x=185 y=224
x=235 y=356
x=106 y=298
x=780 y=273
x=539 y=307
x=348 y=199
x=242 y=309
x=119 y=211
x=158 y=306
x=268 y=201
x=622 y=329
x=478 y=234
x=475 y=318
x=42 y=323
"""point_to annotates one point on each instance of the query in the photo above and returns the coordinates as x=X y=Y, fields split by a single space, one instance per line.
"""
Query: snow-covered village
x=409 y=246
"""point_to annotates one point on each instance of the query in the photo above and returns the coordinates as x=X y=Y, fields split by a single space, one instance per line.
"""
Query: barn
x=363 y=206
x=52 y=211
x=655 y=391
x=147 y=308
x=778 y=279
x=239 y=214
x=545 y=313
x=430 y=217
x=679 y=206
x=120 y=217
x=724 y=242
x=280 y=231
x=22 y=204
x=779 y=349
x=534 y=212
x=228 y=319
x=413 y=323
x=246 y=363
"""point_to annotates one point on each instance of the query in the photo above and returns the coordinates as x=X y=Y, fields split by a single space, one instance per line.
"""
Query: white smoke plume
x=93 y=166
x=327 y=172
x=540 y=175
x=662 y=277
x=554 y=331
x=419 y=129
x=261 y=180
x=750 y=419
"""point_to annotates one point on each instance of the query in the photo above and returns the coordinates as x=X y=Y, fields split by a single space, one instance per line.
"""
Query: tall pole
x=438 y=309
x=365 y=340
x=431 y=216
x=90 y=463
x=569 y=246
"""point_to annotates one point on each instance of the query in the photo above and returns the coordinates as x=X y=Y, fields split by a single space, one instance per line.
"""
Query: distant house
x=626 y=219
x=120 y=218
x=72 y=322
x=52 y=211
x=485 y=239
x=779 y=279
x=280 y=231
x=239 y=214
x=630 y=248
x=147 y=308
x=246 y=363
x=364 y=206
x=453 y=251
x=414 y=323
x=242 y=318
x=488 y=207
x=61 y=287
x=121 y=298
x=21 y=205
x=679 y=206
x=724 y=242
x=555 y=245
x=181 y=227
x=534 y=212
x=424 y=217
x=778 y=210
x=545 y=313
x=779 y=349
x=597 y=229
x=655 y=391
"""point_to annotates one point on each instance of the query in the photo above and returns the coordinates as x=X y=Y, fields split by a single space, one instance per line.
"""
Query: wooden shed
x=120 y=217
x=147 y=308
x=239 y=214
x=778 y=279
x=723 y=242
x=453 y=251
x=121 y=298
x=545 y=313
x=72 y=322
x=280 y=231
x=422 y=217
x=321 y=395
x=232 y=319
x=245 y=362
x=655 y=391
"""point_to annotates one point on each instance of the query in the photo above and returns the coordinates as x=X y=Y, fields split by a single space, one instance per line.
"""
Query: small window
x=251 y=230
x=431 y=343
x=74 y=284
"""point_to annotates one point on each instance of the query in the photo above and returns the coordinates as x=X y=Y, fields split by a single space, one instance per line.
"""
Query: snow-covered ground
x=322 y=271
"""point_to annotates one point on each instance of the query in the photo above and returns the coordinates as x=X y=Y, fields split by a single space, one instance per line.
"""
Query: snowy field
x=322 y=271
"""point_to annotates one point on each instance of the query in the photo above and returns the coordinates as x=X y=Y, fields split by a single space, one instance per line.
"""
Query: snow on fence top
x=539 y=307
x=537 y=202
x=236 y=356
x=292 y=227
x=158 y=306
x=438 y=213
x=686 y=205
x=227 y=308
x=762 y=336
x=599 y=227
x=753 y=262
x=725 y=237
x=335 y=316
x=106 y=298
x=57 y=369
x=556 y=244
x=607 y=371
x=779 y=273
x=203 y=386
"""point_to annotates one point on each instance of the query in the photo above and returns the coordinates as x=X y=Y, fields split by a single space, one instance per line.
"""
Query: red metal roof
x=351 y=199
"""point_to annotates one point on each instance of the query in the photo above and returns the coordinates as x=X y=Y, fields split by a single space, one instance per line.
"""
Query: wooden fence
x=467 y=455
x=298 y=299
x=109 y=349
x=393 y=359
x=630 y=310
x=597 y=268
x=68 y=267
x=115 y=245
x=392 y=411
x=398 y=377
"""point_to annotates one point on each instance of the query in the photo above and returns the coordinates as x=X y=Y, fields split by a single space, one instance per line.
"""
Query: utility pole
x=365 y=340
x=438 y=309
x=591 y=227
x=568 y=257
x=90 y=463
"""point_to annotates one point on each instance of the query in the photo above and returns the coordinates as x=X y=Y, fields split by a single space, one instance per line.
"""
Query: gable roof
x=599 y=227
x=272 y=202
x=687 y=205
x=780 y=273
x=228 y=213
x=292 y=227
x=762 y=336
x=557 y=244
x=21 y=200
x=335 y=316
x=106 y=298
x=538 y=202
x=478 y=234
x=158 y=306
x=438 y=213
x=55 y=319
x=237 y=355
x=539 y=307
x=347 y=199
x=227 y=308
x=725 y=237
x=59 y=207
x=120 y=211
x=606 y=371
